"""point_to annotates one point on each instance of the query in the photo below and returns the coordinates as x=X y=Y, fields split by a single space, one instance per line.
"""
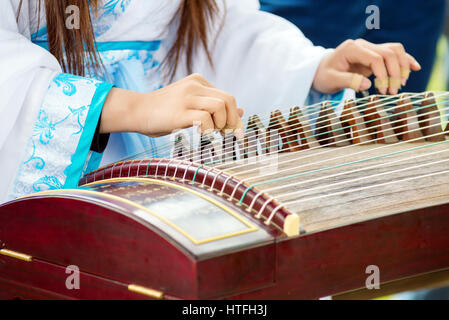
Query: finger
x=405 y=74
x=202 y=119
x=393 y=68
x=233 y=117
x=354 y=81
x=358 y=54
x=240 y=111
x=360 y=69
x=391 y=60
x=215 y=106
x=233 y=120
x=404 y=62
x=414 y=65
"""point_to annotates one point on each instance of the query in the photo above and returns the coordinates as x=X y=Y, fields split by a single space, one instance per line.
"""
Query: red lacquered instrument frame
x=219 y=182
x=123 y=256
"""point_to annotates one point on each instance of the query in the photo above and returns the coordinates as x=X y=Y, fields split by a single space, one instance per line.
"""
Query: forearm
x=120 y=111
x=177 y=106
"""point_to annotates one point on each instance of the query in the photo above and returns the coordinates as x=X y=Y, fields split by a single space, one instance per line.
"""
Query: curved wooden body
x=113 y=234
x=221 y=183
x=115 y=246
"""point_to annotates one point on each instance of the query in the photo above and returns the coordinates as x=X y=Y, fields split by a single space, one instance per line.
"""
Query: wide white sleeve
x=46 y=117
x=263 y=60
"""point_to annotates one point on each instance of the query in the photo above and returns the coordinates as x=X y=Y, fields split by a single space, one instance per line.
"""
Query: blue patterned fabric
x=128 y=65
x=108 y=13
x=56 y=152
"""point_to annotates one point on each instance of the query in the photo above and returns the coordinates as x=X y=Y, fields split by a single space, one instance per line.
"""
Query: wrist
x=121 y=111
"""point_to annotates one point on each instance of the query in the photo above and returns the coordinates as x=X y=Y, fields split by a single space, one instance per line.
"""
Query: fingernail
x=366 y=84
x=403 y=81
x=394 y=91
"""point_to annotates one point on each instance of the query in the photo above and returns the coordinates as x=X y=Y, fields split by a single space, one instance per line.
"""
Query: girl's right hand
x=352 y=62
x=187 y=102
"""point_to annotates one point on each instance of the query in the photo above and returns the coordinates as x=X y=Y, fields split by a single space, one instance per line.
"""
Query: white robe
x=47 y=118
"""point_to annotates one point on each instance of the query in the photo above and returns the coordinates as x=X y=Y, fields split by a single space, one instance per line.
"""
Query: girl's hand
x=350 y=65
x=180 y=105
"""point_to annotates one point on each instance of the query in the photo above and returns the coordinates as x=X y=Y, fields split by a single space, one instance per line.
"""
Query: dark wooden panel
x=239 y=272
x=334 y=261
x=99 y=241
x=42 y=280
x=113 y=246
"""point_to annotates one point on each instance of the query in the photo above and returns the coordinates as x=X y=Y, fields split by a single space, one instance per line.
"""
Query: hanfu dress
x=48 y=118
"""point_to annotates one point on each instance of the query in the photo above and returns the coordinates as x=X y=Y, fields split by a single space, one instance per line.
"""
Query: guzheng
x=299 y=208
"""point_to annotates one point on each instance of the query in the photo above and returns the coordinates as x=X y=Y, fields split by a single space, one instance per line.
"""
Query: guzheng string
x=364 y=169
x=441 y=172
x=398 y=113
x=390 y=102
x=350 y=126
x=361 y=143
x=343 y=183
x=349 y=139
x=377 y=119
x=168 y=145
x=336 y=166
x=298 y=196
x=390 y=99
x=233 y=168
x=331 y=159
x=366 y=177
x=273 y=213
x=196 y=155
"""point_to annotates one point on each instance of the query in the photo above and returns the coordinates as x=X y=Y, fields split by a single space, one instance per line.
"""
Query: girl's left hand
x=352 y=62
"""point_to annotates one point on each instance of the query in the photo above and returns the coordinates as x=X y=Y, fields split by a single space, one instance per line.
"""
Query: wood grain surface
x=338 y=186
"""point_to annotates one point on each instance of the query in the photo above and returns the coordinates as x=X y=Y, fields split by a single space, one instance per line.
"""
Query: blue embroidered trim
x=110 y=7
x=40 y=33
x=117 y=45
x=74 y=170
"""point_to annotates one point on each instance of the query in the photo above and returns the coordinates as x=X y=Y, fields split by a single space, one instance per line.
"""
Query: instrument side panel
x=42 y=280
x=99 y=241
x=237 y=272
x=334 y=261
